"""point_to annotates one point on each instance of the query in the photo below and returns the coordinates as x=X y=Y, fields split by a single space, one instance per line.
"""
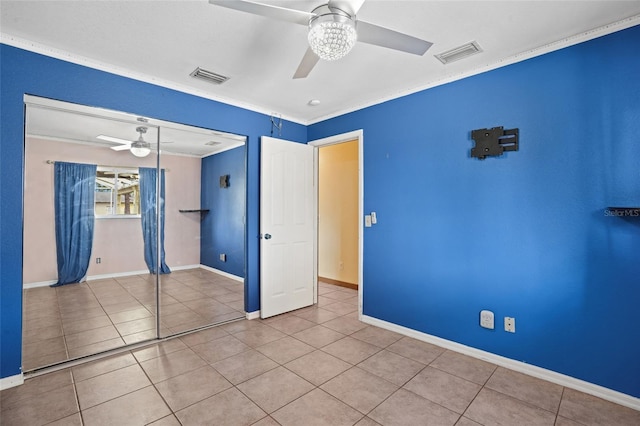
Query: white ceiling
x=73 y=123
x=164 y=41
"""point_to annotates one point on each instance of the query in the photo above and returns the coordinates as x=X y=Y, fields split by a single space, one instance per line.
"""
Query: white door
x=287 y=226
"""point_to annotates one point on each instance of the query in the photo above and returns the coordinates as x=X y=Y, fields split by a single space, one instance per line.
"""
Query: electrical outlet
x=486 y=319
x=98 y=260
x=510 y=324
x=223 y=257
x=341 y=265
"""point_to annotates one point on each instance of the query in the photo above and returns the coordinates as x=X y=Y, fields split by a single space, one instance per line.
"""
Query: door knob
x=267 y=236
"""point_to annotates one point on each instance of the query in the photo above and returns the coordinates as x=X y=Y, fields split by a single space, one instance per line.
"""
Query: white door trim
x=332 y=140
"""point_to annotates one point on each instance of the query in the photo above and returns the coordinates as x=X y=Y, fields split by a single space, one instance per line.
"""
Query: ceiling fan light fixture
x=332 y=33
x=140 y=148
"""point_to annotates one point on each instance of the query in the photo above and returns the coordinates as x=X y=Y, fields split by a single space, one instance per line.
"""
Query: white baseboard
x=11 y=381
x=223 y=273
x=531 y=370
x=253 y=315
x=113 y=275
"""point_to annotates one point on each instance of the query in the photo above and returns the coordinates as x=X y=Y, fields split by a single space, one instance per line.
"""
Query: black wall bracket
x=493 y=142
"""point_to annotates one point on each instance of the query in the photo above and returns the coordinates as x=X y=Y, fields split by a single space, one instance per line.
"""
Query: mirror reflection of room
x=91 y=266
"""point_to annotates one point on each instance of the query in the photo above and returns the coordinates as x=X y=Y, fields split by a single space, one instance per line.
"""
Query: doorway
x=339 y=168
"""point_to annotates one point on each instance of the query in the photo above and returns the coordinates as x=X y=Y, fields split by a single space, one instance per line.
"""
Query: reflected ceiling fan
x=333 y=30
x=139 y=147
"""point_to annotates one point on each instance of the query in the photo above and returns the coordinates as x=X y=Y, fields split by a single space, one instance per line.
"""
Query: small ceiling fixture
x=459 y=52
x=140 y=148
x=314 y=102
x=332 y=33
x=208 y=76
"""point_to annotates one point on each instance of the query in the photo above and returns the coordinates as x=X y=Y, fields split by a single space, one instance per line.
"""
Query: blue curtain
x=74 y=186
x=149 y=219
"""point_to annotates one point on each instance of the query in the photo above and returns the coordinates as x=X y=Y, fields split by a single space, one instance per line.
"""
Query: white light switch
x=374 y=218
x=367 y=221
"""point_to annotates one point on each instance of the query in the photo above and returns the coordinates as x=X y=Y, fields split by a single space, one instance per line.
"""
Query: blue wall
x=26 y=72
x=222 y=228
x=525 y=234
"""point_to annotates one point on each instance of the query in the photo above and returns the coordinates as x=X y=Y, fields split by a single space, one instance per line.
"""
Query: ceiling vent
x=209 y=76
x=459 y=52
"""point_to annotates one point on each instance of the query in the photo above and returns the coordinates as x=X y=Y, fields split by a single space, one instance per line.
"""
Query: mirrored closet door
x=103 y=265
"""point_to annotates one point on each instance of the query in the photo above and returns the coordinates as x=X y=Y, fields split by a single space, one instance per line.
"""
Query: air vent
x=209 y=76
x=459 y=52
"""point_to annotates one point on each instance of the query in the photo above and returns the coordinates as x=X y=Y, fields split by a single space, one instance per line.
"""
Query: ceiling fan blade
x=274 y=12
x=121 y=147
x=350 y=6
x=309 y=60
x=113 y=139
x=380 y=36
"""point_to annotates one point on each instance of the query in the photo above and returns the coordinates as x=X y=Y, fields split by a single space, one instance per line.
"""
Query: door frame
x=333 y=140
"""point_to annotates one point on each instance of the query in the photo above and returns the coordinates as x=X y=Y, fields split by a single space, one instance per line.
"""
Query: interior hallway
x=315 y=366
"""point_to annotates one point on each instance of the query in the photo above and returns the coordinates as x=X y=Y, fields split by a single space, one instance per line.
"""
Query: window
x=117 y=192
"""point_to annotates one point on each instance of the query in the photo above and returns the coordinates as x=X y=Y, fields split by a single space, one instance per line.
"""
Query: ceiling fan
x=333 y=30
x=139 y=147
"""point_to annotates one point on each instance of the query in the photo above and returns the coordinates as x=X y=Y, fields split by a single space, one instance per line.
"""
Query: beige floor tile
x=187 y=389
x=317 y=408
x=317 y=315
x=377 y=336
x=105 y=387
x=590 y=410
x=267 y=421
x=204 y=336
x=466 y=367
x=101 y=366
x=130 y=315
x=219 y=349
x=406 y=408
x=53 y=405
x=392 y=367
x=351 y=350
x=137 y=408
x=345 y=325
x=166 y=421
x=95 y=348
x=529 y=389
x=43 y=333
x=443 y=388
x=72 y=327
x=359 y=389
x=172 y=364
x=275 y=388
x=416 y=350
x=291 y=324
x=72 y=420
x=136 y=326
x=468 y=422
x=318 y=336
x=159 y=349
x=284 y=350
x=259 y=336
x=317 y=367
x=366 y=421
x=561 y=421
x=228 y=408
x=491 y=407
x=31 y=362
x=90 y=337
x=33 y=388
x=141 y=336
x=244 y=366
x=341 y=308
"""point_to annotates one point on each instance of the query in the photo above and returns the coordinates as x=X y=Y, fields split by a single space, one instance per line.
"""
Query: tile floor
x=314 y=366
x=79 y=319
